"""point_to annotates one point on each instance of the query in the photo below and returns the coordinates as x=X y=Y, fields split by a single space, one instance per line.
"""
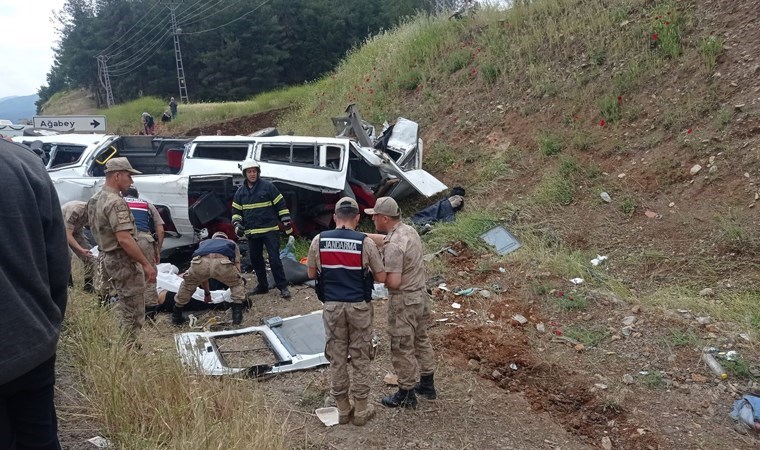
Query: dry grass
x=147 y=399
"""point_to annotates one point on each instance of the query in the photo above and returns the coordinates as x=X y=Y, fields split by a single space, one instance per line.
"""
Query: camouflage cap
x=385 y=206
x=347 y=203
x=119 y=164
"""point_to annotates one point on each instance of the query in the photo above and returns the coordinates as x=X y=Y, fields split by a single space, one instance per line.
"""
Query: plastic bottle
x=714 y=365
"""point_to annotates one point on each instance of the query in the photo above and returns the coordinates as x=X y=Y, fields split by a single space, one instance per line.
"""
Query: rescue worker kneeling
x=217 y=258
x=340 y=260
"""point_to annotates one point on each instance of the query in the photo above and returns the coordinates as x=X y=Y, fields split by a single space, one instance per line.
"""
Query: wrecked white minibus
x=192 y=182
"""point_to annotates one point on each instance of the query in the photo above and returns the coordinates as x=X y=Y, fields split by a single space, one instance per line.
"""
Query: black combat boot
x=88 y=285
x=237 y=313
x=260 y=289
x=285 y=293
x=404 y=398
x=426 y=387
x=177 y=319
x=150 y=312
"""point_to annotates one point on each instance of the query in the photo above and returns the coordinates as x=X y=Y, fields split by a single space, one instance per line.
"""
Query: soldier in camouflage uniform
x=339 y=260
x=113 y=226
x=408 y=307
x=75 y=219
x=217 y=258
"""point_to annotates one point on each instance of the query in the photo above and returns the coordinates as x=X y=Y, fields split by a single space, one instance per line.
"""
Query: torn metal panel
x=405 y=141
x=418 y=180
x=296 y=342
x=354 y=126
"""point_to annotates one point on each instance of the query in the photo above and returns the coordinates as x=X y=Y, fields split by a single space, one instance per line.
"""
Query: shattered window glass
x=225 y=152
x=305 y=155
x=333 y=157
x=275 y=153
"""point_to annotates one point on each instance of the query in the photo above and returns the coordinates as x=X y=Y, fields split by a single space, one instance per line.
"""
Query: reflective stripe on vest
x=340 y=255
x=142 y=214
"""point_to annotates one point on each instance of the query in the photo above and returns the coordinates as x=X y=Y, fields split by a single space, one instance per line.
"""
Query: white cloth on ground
x=168 y=280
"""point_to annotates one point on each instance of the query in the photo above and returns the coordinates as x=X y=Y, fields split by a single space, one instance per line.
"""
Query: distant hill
x=18 y=108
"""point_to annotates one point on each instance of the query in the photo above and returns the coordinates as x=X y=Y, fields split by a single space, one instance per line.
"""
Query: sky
x=27 y=36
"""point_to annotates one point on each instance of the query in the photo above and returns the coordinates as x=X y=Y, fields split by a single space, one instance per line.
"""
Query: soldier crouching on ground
x=408 y=306
x=217 y=258
x=150 y=238
x=75 y=219
x=340 y=260
x=113 y=226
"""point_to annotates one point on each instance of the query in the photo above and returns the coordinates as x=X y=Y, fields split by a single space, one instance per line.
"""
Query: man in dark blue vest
x=217 y=258
x=149 y=236
x=340 y=260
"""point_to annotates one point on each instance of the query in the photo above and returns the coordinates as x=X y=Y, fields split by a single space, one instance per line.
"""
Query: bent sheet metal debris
x=295 y=343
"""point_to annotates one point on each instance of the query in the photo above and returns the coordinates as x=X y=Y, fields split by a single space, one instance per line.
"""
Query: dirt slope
x=588 y=367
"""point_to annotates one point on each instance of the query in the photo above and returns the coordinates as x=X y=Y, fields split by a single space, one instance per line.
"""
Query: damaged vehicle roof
x=295 y=343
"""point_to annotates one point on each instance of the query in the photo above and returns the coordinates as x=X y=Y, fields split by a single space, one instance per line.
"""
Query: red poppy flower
x=667 y=23
x=602 y=122
x=620 y=99
x=558 y=332
x=655 y=36
x=688 y=131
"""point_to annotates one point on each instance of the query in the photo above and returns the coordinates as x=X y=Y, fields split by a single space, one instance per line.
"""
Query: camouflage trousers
x=348 y=331
x=202 y=268
x=408 y=324
x=87 y=262
x=122 y=275
x=148 y=246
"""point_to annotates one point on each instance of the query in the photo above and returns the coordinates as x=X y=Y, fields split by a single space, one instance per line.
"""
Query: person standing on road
x=75 y=219
x=114 y=228
x=149 y=237
x=217 y=258
x=340 y=260
x=408 y=307
x=257 y=209
x=173 y=108
x=34 y=272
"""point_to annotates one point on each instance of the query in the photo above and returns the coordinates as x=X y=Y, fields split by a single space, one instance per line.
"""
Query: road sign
x=85 y=124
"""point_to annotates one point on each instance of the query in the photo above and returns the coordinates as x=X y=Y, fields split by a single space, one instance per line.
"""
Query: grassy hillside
x=537 y=111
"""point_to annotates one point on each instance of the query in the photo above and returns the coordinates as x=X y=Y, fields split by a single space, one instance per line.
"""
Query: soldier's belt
x=215 y=256
x=411 y=291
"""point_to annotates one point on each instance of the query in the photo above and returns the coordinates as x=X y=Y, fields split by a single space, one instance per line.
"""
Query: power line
x=231 y=21
x=191 y=20
x=144 y=56
x=117 y=41
x=198 y=10
x=141 y=40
